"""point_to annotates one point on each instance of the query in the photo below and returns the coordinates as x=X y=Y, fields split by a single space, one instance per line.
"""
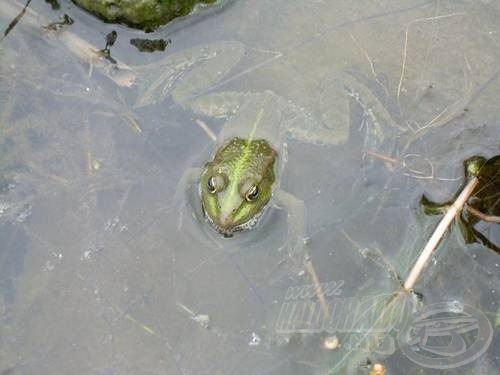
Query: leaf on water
x=433 y=208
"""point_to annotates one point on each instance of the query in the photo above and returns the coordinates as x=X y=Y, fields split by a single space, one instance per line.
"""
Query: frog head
x=237 y=184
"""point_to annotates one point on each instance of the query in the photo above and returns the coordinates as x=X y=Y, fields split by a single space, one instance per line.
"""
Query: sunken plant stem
x=439 y=232
x=483 y=217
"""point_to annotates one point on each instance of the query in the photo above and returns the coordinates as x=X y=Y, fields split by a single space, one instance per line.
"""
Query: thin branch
x=438 y=234
x=484 y=217
x=206 y=129
x=15 y=21
x=405 y=47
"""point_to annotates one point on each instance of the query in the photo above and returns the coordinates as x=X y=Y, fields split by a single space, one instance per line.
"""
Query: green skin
x=243 y=175
x=258 y=124
x=244 y=172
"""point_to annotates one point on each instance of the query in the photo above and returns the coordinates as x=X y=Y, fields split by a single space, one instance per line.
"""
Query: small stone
x=331 y=343
x=378 y=369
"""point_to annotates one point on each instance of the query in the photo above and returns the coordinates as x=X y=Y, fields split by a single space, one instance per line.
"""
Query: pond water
x=105 y=264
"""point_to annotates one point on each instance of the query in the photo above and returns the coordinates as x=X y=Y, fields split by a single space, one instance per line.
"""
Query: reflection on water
x=105 y=264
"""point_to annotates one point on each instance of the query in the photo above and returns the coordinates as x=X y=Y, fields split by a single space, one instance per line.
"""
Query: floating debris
x=15 y=21
x=59 y=25
x=331 y=343
x=54 y=4
x=255 y=341
x=150 y=45
x=202 y=319
x=377 y=369
x=96 y=165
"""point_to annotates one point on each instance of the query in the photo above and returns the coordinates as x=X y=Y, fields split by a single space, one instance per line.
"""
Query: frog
x=241 y=179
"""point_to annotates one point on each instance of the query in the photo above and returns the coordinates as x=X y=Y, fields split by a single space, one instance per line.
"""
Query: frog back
x=248 y=116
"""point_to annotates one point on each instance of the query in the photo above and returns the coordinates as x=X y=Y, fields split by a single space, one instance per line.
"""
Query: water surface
x=103 y=271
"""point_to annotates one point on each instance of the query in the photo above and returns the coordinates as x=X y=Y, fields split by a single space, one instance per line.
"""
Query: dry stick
x=443 y=225
x=210 y=134
x=317 y=285
x=15 y=21
x=405 y=47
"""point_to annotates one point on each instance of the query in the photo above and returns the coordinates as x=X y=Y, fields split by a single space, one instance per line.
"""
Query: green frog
x=242 y=178
x=237 y=184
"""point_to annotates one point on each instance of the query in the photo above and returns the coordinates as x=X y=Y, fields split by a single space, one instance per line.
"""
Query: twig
x=317 y=285
x=367 y=56
x=372 y=64
x=87 y=148
x=455 y=109
x=443 y=225
x=15 y=20
x=484 y=217
x=405 y=47
x=386 y=158
x=206 y=129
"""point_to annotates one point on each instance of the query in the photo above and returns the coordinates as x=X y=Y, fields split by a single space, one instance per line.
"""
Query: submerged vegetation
x=146 y=14
x=150 y=45
x=481 y=213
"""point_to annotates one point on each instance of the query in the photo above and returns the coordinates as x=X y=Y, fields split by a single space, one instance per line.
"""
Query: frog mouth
x=229 y=232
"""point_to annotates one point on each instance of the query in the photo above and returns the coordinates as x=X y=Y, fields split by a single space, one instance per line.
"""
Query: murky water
x=105 y=266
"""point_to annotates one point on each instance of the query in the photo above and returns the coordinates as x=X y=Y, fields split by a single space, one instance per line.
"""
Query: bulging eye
x=252 y=193
x=215 y=184
x=211 y=185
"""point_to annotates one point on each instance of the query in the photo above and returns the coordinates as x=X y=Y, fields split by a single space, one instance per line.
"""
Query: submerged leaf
x=486 y=196
x=433 y=208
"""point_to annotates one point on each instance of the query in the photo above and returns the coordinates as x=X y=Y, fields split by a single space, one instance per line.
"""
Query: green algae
x=146 y=15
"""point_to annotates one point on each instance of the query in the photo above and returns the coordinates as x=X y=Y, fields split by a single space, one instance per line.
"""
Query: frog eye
x=252 y=193
x=215 y=184
x=211 y=185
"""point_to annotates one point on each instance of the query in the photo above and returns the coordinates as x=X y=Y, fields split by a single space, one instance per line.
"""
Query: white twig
x=206 y=129
x=405 y=47
x=443 y=225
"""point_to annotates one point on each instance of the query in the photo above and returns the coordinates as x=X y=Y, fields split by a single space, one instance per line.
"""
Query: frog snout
x=226 y=221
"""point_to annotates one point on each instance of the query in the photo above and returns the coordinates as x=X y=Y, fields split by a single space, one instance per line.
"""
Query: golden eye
x=215 y=184
x=211 y=185
x=252 y=193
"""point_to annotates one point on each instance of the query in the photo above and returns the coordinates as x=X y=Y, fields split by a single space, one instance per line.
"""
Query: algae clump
x=145 y=14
